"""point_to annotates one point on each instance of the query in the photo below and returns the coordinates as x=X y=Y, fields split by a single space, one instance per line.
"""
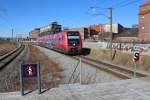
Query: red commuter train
x=69 y=42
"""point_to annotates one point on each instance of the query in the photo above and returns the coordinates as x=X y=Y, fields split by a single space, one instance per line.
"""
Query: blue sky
x=25 y=15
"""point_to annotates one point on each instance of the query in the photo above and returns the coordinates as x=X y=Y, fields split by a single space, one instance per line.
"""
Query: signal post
x=136 y=57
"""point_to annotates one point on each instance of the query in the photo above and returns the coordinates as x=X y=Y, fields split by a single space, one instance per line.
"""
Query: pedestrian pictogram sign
x=29 y=70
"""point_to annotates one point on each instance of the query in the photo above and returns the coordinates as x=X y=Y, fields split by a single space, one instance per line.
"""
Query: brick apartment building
x=90 y=31
x=96 y=29
x=144 y=22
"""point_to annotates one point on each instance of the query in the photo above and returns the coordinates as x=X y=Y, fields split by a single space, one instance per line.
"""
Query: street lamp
x=111 y=33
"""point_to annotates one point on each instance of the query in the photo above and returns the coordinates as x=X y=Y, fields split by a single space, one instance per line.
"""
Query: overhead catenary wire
x=121 y=2
x=125 y=4
x=99 y=7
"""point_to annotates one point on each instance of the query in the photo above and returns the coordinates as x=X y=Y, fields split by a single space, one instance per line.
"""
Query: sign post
x=135 y=67
x=28 y=71
x=136 y=57
x=136 y=61
x=39 y=78
x=21 y=80
x=81 y=69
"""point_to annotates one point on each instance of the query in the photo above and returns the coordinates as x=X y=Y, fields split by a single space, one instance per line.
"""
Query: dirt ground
x=50 y=73
x=6 y=47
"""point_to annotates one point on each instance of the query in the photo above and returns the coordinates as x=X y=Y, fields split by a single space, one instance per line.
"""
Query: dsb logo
x=136 y=57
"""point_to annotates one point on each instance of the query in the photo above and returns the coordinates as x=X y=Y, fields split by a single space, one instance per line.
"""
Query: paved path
x=133 y=89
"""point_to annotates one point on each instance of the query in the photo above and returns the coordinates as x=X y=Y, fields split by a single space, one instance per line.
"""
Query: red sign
x=136 y=57
x=29 y=70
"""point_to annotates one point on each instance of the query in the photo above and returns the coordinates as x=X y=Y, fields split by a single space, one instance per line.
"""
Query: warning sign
x=136 y=52
x=136 y=57
x=29 y=70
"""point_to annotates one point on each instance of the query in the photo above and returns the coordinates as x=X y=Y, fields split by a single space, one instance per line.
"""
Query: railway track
x=7 y=58
x=118 y=71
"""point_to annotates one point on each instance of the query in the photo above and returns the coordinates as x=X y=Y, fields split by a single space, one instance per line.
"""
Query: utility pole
x=111 y=33
x=12 y=34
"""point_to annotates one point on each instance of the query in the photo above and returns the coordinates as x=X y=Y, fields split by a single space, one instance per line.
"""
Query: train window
x=73 y=42
x=73 y=33
x=73 y=37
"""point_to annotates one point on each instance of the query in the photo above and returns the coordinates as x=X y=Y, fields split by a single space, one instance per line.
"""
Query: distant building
x=83 y=31
x=52 y=28
x=116 y=28
x=65 y=28
x=127 y=31
x=144 y=22
x=96 y=29
x=135 y=26
x=34 y=34
x=128 y=34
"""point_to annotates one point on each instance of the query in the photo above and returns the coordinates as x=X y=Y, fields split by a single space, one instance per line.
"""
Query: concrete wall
x=130 y=39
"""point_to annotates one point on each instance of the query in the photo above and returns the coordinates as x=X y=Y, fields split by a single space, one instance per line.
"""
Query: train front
x=74 y=42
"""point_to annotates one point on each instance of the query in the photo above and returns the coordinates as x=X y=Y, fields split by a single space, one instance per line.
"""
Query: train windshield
x=73 y=33
x=73 y=42
x=73 y=38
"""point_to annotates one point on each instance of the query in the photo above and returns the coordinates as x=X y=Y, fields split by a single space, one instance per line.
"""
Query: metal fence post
x=38 y=78
x=81 y=69
x=21 y=79
x=135 y=68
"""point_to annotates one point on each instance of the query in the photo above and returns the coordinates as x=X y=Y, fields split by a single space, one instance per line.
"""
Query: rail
x=116 y=70
x=7 y=58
